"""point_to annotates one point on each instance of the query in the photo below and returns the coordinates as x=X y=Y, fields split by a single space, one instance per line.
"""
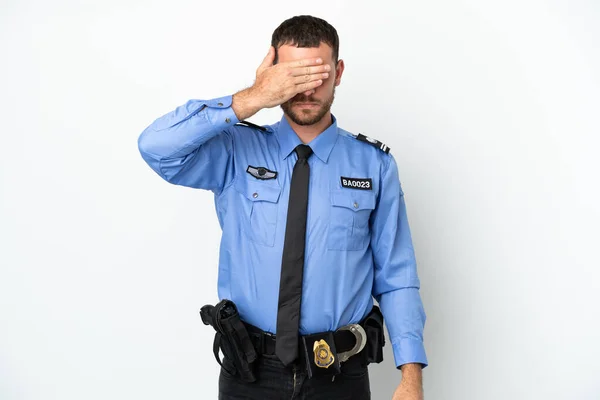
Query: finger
x=307 y=62
x=268 y=60
x=303 y=87
x=309 y=78
x=307 y=70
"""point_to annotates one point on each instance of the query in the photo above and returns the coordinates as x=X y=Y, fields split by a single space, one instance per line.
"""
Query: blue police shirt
x=358 y=242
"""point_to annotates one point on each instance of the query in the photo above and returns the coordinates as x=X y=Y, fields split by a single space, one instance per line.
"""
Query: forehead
x=288 y=52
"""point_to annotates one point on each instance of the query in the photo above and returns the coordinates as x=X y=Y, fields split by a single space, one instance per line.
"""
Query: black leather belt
x=264 y=342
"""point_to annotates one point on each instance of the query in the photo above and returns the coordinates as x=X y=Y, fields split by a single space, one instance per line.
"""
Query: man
x=314 y=224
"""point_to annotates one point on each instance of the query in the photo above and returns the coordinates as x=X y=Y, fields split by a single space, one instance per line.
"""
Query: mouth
x=306 y=105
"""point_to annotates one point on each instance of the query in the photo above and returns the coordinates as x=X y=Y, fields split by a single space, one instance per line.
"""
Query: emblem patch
x=357 y=183
x=261 y=172
x=323 y=356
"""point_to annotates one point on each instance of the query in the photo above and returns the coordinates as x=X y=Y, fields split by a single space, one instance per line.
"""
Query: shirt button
x=355 y=205
x=220 y=104
x=227 y=120
x=255 y=195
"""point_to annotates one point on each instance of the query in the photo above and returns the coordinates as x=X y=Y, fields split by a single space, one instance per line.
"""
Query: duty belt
x=323 y=353
x=349 y=340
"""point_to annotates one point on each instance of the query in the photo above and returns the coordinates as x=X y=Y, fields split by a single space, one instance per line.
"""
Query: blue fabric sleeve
x=396 y=284
x=191 y=146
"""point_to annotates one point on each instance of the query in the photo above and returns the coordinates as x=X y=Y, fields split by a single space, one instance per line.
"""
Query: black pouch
x=232 y=338
x=320 y=355
x=373 y=325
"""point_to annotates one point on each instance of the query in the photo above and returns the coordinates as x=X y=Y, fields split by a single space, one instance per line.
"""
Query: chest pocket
x=259 y=208
x=349 y=219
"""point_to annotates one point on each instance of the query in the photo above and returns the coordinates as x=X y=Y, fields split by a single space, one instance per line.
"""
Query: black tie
x=292 y=263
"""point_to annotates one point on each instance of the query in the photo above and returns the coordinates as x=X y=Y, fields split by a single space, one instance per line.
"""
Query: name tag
x=357 y=183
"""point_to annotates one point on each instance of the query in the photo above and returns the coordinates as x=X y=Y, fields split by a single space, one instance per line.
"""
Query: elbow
x=152 y=146
x=147 y=148
x=146 y=144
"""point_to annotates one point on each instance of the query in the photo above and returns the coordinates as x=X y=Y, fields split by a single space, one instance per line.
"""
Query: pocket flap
x=257 y=190
x=353 y=199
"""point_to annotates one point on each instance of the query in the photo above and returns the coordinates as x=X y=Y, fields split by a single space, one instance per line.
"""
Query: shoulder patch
x=251 y=125
x=373 y=142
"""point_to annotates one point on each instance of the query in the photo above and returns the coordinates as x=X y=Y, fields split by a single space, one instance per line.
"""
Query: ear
x=339 y=70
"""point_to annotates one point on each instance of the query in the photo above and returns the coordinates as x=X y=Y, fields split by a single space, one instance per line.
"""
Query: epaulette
x=373 y=142
x=251 y=125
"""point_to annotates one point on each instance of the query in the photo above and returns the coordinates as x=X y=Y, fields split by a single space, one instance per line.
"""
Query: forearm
x=411 y=385
x=412 y=374
x=246 y=103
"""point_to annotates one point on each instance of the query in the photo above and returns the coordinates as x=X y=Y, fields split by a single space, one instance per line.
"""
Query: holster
x=232 y=338
x=373 y=326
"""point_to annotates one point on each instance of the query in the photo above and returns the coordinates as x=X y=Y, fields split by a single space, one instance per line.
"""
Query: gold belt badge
x=323 y=356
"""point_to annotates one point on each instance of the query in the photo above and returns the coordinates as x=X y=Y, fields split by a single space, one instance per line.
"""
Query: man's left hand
x=411 y=385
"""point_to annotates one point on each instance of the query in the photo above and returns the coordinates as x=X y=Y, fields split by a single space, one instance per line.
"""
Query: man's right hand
x=276 y=84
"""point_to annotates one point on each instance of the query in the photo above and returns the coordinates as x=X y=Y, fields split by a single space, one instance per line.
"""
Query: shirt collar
x=320 y=145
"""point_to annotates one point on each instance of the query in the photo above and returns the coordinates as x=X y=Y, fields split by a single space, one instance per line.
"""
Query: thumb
x=268 y=60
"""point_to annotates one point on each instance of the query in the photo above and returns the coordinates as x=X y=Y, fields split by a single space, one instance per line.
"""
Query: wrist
x=412 y=367
x=245 y=103
x=412 y=373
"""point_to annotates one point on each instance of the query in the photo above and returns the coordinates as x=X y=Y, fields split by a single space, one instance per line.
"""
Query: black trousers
x=275 y=381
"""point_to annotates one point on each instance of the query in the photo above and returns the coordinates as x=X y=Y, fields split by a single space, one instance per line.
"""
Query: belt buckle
x=361 y=340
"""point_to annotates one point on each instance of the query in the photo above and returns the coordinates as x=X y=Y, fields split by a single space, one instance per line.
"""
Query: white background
x=491 y=109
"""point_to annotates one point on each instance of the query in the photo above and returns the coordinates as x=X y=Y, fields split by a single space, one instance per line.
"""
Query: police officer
x=314 y=225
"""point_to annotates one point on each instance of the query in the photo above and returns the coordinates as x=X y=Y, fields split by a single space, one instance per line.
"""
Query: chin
x=306 y=117
x=306 y=120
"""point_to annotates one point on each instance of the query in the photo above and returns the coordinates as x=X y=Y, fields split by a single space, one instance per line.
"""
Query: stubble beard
x=307 y=116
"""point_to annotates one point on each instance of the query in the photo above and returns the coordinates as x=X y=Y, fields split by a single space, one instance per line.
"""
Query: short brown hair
x=306 y=31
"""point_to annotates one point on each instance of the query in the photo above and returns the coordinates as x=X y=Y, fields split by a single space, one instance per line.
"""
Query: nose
x=309 y=92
